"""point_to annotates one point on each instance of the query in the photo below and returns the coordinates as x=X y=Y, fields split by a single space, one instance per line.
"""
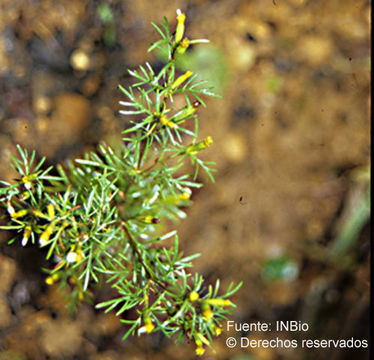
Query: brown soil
x=289 y=134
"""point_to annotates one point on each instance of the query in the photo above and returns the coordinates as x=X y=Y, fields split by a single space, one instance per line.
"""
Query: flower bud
x=51 y=211
x=201 y=145
x=183 y=114
x=38 y=213
x=44 y=237
x=18 y=214
x=218 y=302
x=179 y=32
x=26 y=235
x=50 y=280
x=10 y=209
x=181 y=79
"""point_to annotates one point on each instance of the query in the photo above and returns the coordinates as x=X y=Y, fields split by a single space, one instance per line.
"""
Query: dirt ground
x=291 y=136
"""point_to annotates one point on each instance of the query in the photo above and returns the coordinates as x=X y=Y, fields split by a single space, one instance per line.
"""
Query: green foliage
x=102 y=218
x=280 y=268
x=358 y=215
x=106 y=16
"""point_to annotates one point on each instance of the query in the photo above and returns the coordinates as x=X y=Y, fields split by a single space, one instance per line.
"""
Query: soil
x=290 y=133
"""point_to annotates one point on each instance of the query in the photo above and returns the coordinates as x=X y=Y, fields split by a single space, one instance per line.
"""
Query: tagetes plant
x=101 y=218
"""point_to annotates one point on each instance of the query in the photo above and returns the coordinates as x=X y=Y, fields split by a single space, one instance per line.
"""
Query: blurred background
x=288 y=213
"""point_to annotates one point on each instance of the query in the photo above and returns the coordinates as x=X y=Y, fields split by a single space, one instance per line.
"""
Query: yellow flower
x=208 y=314
x=193 y=296
x=26 y=235
x=217 y=330
x=185 y=196
x=49 y=280
x=184 y=44
x=218 y=302
x=201 y=145
x=148 y=219
x=27 y=180
x=208 y=141
x=18 y=214
x=148 y=325
x=165 y=121
x=181 y=79
x=51 y=211
x=38 y=213
x=179 y=32
x=199 y=350
x=44 y=237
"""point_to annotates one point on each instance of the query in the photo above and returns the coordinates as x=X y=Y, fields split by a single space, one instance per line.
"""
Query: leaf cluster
x=102 y=218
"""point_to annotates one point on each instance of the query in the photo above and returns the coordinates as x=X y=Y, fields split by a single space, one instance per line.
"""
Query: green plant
x=356 y=215
x=101 y=217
